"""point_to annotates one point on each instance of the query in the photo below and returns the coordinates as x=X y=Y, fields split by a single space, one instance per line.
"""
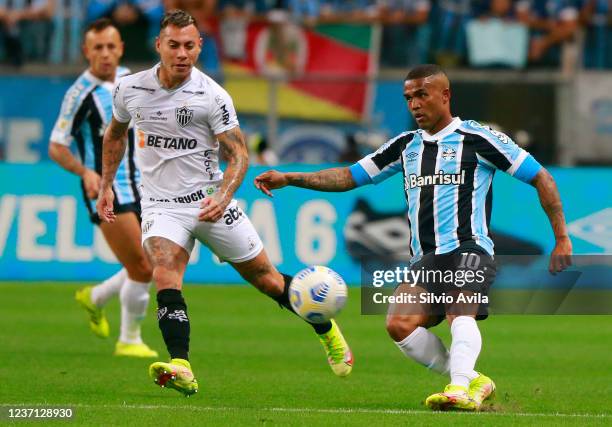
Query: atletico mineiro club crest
x=183 y=116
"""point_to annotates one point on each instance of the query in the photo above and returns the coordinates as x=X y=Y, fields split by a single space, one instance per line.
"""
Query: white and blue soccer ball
x=317 y=294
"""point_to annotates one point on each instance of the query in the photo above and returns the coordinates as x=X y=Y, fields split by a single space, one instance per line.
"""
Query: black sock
x=173 y=322
x=283 y=301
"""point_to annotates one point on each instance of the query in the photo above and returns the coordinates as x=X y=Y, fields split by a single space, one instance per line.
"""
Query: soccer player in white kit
x=183 y=119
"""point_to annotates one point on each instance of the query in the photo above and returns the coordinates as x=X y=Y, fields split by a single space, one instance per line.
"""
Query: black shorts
x=467 y=268
x=119 y=209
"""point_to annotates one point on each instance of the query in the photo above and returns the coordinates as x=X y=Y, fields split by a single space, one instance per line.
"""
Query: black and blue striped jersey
x=447 y=181
x=86 y=111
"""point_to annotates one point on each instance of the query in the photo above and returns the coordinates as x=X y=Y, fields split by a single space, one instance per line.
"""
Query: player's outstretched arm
x=561 y=256
x=234 y=148
x=333 y=179
x=113 y=150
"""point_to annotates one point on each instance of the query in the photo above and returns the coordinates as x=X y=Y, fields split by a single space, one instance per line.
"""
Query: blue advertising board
x=45 y=233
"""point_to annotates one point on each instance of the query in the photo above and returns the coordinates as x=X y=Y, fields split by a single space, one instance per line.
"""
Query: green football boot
x=453 y=398
x=339 y=355
x=97 y=319
x=482 y=388
x=177 y=375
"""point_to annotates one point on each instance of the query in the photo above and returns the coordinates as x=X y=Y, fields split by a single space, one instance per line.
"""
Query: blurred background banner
x=532 y=112
x=319 y=73
x=45 y=233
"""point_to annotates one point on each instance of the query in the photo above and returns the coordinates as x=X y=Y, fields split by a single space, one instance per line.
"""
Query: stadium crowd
x=449 y=32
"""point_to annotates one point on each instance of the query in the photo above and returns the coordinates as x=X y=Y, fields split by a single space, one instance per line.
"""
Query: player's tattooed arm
x=334 y=179
x=551 y=203
x=234 y=150
x=113 y=150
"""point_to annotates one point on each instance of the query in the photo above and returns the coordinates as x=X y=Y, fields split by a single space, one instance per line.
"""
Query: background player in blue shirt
x=85 y=113
x=448 y=166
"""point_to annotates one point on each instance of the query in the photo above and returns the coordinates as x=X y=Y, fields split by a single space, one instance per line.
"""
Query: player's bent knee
x=140 y=270
x=399 y=327
x=166 y=279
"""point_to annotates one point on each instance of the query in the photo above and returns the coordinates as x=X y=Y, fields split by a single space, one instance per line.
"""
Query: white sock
x=427 y=349
x=101 y=293
x=134 y=299
x=464 y=350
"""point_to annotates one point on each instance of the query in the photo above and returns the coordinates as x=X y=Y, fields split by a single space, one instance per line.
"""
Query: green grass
x=259 y=365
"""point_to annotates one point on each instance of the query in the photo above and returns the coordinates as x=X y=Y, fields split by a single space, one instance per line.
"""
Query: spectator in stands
x=553 y=24
x=496 y=38
x=305 y=12
x=356 y=11
x=495 y=9
x=234 y=22
x=450 y=20
x=596 y=17
x=351 y=153
x=259 y=151
x=25 y=29
x=137 y=20
x=406 y=32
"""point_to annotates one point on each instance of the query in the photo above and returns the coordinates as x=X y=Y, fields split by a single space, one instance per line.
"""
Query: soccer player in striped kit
x=448 y=166
x=85 y=113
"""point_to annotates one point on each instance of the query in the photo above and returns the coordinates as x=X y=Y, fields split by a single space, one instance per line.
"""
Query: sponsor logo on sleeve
x=226 y=115
x=501 y=136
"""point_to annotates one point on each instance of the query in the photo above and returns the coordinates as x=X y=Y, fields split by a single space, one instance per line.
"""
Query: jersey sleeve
x=222 y=116
x=383 y=163
x=120 y=111
x=499 y=151
x=68 y=119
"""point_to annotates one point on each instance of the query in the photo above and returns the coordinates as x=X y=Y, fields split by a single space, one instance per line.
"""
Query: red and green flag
x=322 y=72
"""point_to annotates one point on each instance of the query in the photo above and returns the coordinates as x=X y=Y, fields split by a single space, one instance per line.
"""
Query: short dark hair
x=178 y=18
x=424 y=70
x=99 y=25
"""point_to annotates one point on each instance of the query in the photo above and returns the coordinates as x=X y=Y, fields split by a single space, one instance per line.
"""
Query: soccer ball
x=317 y=294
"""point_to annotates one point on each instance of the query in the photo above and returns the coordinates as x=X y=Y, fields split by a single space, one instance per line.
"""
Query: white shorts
x=233 y=238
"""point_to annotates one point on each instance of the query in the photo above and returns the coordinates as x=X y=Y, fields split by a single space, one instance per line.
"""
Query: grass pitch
x=259 y=365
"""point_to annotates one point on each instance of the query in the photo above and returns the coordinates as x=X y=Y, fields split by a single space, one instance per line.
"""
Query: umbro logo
x=412 y=156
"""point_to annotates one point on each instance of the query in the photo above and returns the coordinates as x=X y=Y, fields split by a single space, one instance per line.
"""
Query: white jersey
x=176 y=146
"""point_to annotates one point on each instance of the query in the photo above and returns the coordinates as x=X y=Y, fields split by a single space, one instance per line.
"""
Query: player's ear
x=446 y=95
x=121 y=49
x=157 y=44
x=85 y=50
